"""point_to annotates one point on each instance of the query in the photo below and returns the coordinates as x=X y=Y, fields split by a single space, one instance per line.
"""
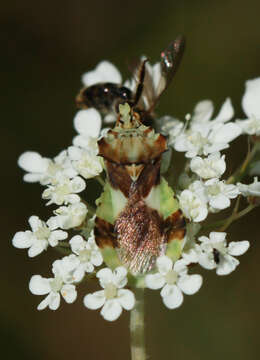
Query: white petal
x=109 y=118
x=34 y=222
x=104 y=72
x=95 y=301
x=190 y=284
x=217 y=236
x=96 y=258
x=226 y=133
x=77 y=243
x=105 y=276
x=219 y=202
x=74 y=153
x=88 y=122
x=111 y=310
x=154 y=281
x=22 y=239
x=44 y=303
x=37 y=248
x=250 y=100
x=126 y=299
x=35 y=177
x=207 y=261
x=203 y=111
x=56 y=236
x=238 y=248
x=69 y=293
x=33 y=162
x=226 y=112
x=54 y=300
x=120 y=276
x=180 y=267
x=164 y=264
x=226 y=265
x=172 y=296
x=39 y=285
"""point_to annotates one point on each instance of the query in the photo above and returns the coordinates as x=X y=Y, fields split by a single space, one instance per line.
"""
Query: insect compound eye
x=125 y=93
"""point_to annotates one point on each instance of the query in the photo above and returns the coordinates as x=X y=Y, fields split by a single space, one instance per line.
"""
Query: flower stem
x=100 y=180
x=241 y=171
x=236 y=216
x=137 y=327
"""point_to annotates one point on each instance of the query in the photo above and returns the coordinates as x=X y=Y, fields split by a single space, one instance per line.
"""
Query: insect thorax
x=104 y=97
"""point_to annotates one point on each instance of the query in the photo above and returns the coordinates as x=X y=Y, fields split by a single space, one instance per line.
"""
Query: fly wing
x=149 y=90
x=170 y=61
x=151 y=81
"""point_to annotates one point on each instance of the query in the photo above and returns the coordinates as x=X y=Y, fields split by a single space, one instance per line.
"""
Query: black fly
x=106 y=97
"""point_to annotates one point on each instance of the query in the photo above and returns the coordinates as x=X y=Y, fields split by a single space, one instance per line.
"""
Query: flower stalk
x=137 y=336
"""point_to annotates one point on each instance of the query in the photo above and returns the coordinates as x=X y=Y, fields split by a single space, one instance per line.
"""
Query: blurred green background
x=47 y=45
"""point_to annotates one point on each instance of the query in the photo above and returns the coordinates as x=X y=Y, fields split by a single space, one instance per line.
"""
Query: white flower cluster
x=202 y=191
x=207 y=193
x=201 y=140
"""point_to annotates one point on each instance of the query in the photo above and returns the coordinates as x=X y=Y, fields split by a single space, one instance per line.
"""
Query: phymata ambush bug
x=137 y=217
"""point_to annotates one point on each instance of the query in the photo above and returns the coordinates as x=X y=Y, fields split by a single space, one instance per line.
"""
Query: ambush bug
x=137 y=217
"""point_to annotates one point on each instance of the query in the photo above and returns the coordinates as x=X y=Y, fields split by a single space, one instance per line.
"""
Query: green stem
x=241 y=171
x=137 y=327
x=91 y=209
x=237 y=216
x=100 y=180
x=62 y=250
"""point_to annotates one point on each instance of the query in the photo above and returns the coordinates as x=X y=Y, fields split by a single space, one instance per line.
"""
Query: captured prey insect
x=137 y=216
x=106 y=97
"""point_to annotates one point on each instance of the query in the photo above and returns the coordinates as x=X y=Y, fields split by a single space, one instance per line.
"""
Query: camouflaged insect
x=137 y=214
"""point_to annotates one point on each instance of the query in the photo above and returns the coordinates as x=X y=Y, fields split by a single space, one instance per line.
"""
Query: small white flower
x=86 y=162
x=65 y=191
x=68 y=217
x=88 y=252
x=204 y=137
x=191 y=142
x=68 y=269
x=192 y=206
x=53 y=287
x=36 y=166
x=215 y=253
x=39 y=238
x=113 y=298
x=105 y=71
x=174 y=280
x=250 y=126
x=250 y=190
x=251 y=107
x=88 y=124
x=219 y=194
x=170 y=126
x=45 y=170
x=211 y=167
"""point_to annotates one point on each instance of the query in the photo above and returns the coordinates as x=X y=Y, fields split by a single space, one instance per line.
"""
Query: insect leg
x=140 y=85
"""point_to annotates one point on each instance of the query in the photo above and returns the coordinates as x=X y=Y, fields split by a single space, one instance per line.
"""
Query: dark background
x=46 y=46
